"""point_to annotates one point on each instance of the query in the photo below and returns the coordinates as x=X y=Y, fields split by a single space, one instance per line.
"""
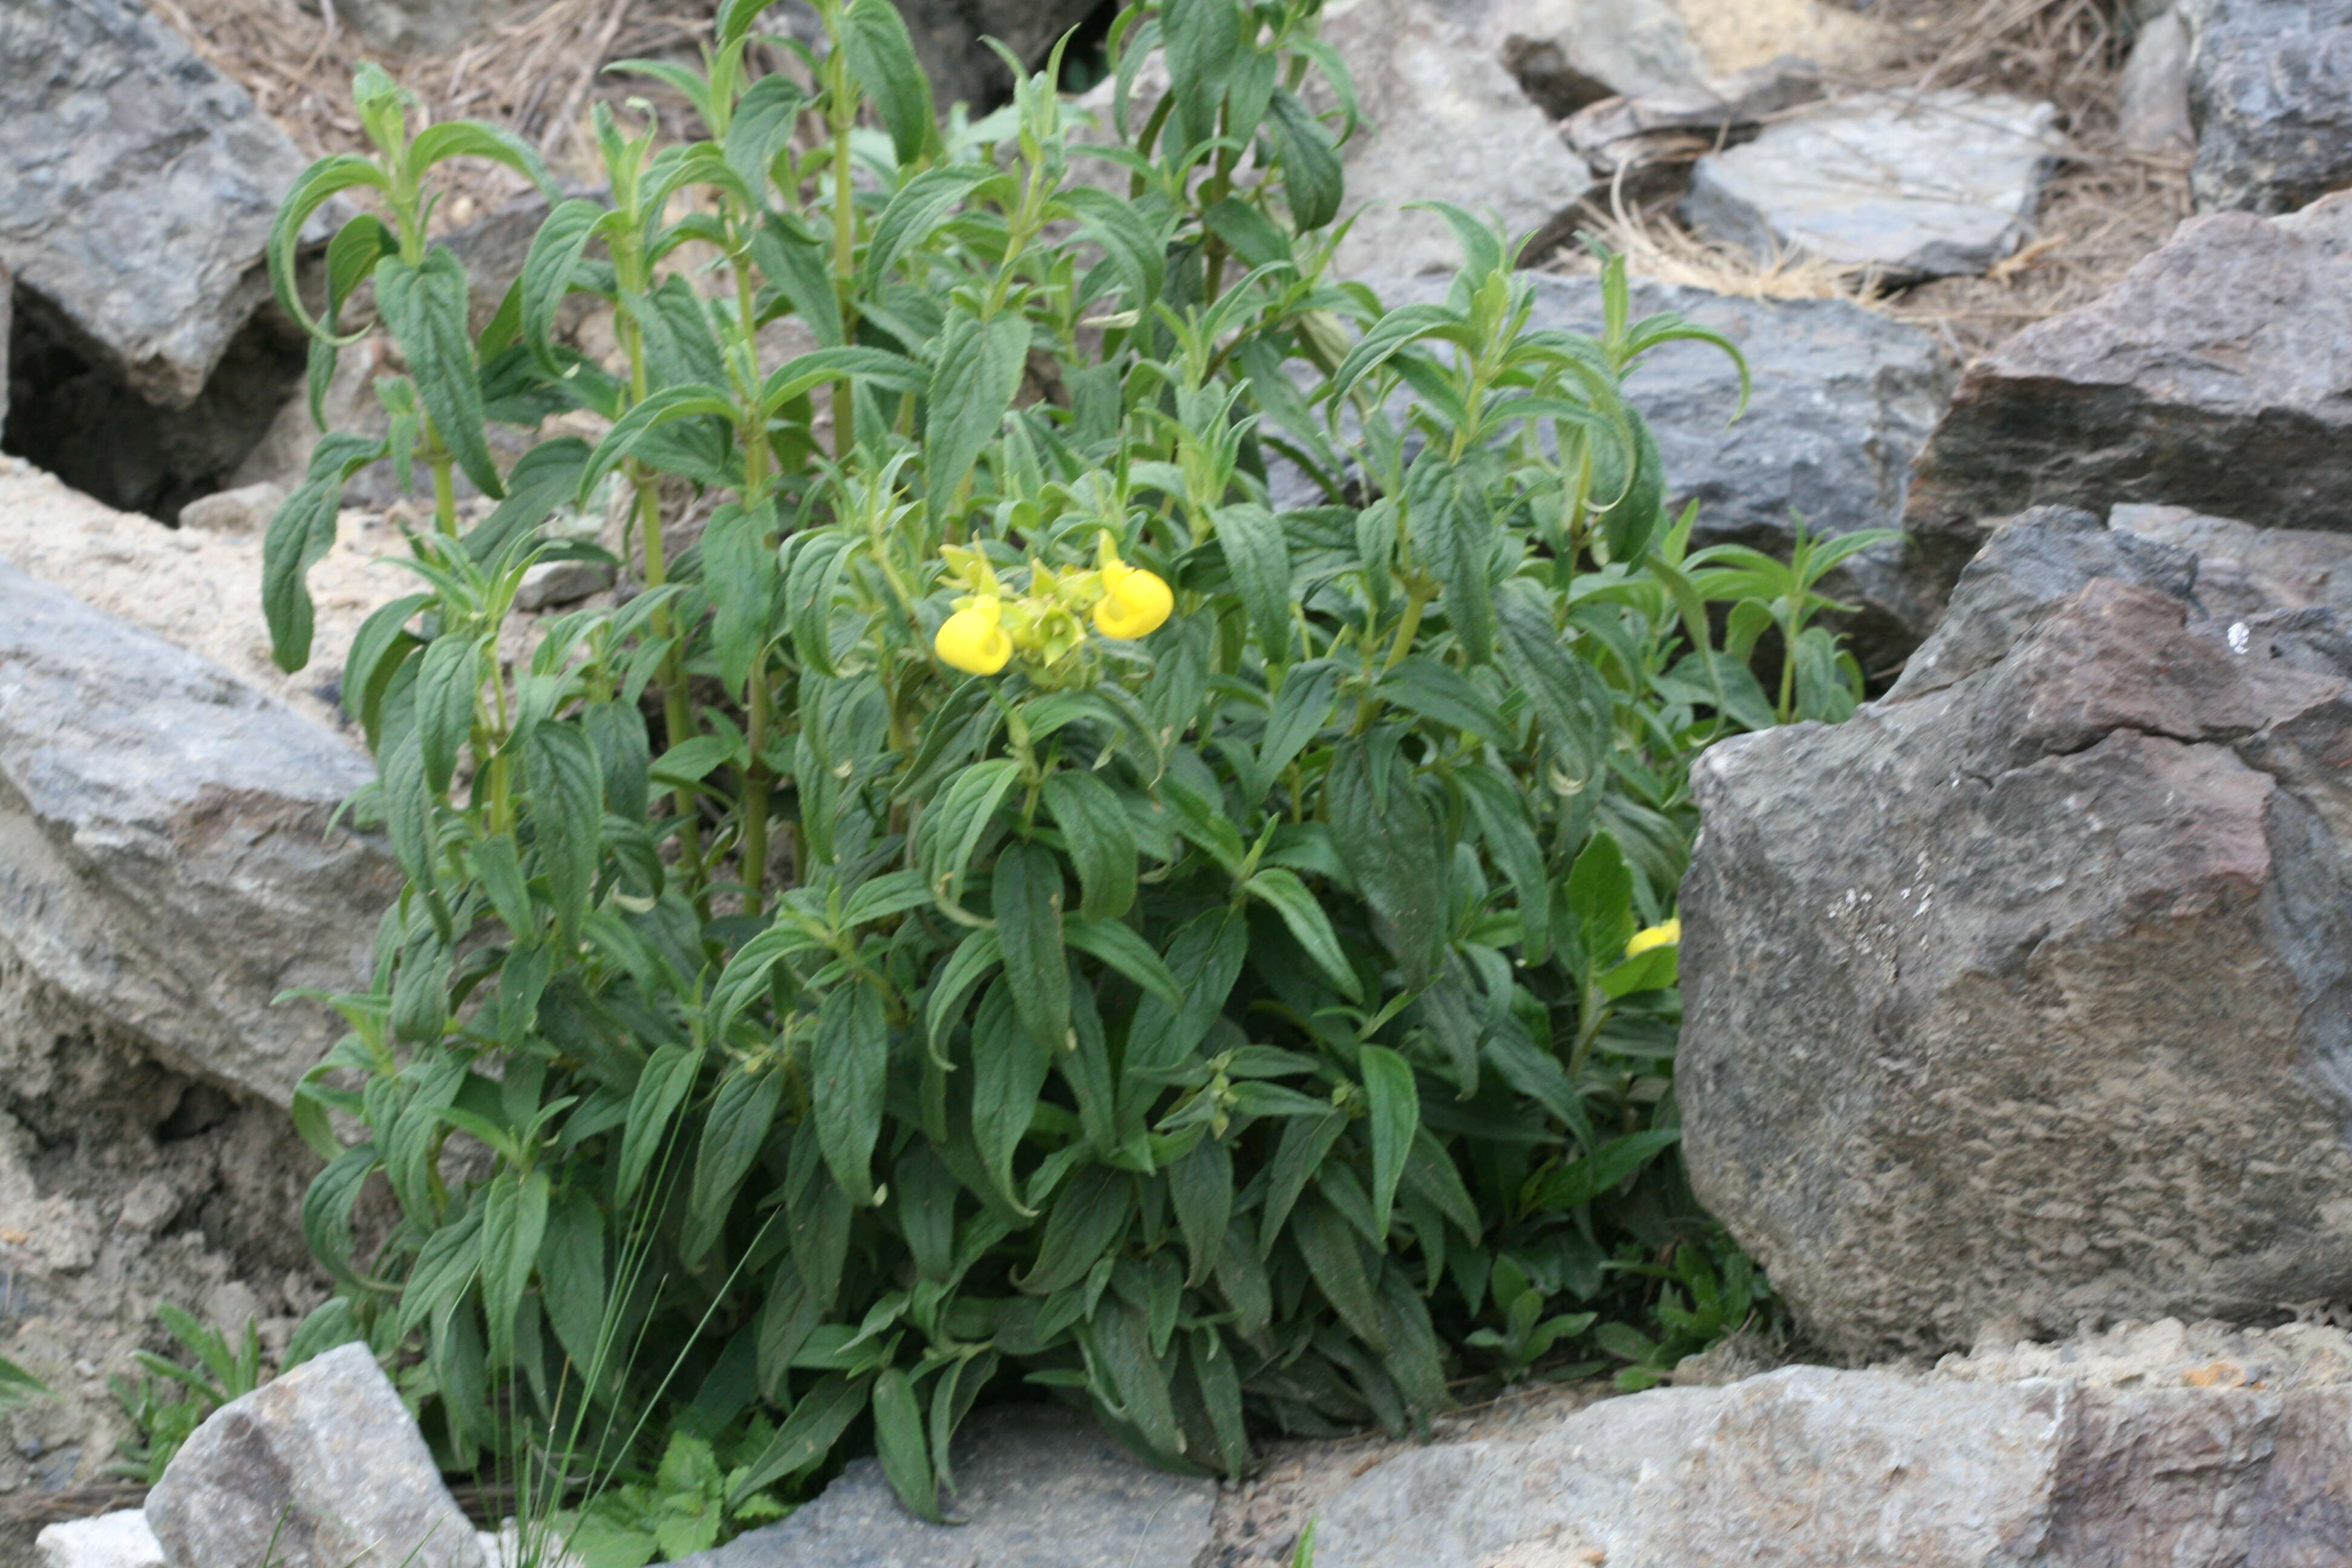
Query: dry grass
x=535 y=71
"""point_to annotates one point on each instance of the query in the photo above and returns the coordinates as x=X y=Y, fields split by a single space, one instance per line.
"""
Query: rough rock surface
x=164 y=852
x=1036 y=1486
x=2016 y=999
x=2271 y=94
x=1565 y=54
x=1843 y=399
x=329 y=1450
x=2190 y=1467
x=2243 y=570
x=1917 y=185
x=137 y=186
x=1446 y=121
x=119 y=1539
x=2211 y=377
x=1671 y=127
x=2152 y=97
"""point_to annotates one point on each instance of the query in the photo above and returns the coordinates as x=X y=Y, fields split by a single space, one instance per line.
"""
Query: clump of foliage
x=172 y=1398
x=1012 y=898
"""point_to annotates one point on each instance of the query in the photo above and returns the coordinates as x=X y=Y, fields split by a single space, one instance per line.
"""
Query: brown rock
x=2211 y=377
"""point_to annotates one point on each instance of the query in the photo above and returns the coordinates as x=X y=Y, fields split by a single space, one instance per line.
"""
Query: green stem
x=842 y=105
x=757 y=783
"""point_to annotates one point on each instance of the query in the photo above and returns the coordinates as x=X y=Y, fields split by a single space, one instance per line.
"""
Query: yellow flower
x=1135 y=603
x=971 y=641
x=1667 y=935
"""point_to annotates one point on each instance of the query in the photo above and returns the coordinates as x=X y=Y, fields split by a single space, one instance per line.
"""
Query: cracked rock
x=2270 y=93
x=2211 y=377
x=2019 y=999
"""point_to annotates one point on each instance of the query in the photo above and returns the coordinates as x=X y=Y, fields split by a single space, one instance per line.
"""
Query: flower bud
x=971 y=641
x=1135 y=603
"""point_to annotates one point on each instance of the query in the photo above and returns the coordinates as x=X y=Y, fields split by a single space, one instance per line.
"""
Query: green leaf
x=1028 y=899
x=1100 y=837
x=1571 y=703
x=320 y=183
x=448 y=678
x=1089 y=1214
x=954 y=825
x=567 y=793
x=807 y=1435
x=572 y=1280
x=882 y=57
x=1454 y=537
x=916 y=209
x=972 y=384
x=899 y=1442
x=662 y=1087
x=1601 y=896
x=1609 y=1166
x=1395 y=1102
x=733 y=1133
x=1502 y=817
x=1259 y=558
x=547 y=270
x=1335 y=1258
x=300 y=533
x=514 y=1222
x=1393 y=851
x=764 y=119
x=425 y=308
x=848 y=1076
x=1312 y=182
x=1120 y=946
x=1200 y=1189
x=1305 y=917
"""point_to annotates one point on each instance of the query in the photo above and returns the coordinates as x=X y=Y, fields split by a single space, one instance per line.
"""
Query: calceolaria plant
x=1014 y=898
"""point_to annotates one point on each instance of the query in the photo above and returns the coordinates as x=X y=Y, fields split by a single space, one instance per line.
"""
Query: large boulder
x=2211 y=376
x=1905 y=186
x=1844 y=398
x=2270 y=89
x=1445 y=119
x=2018 y=999
x=321 y=1467
x=2065 y=1456
x=166 y=854
x=1036 y=1486
x=137 y=187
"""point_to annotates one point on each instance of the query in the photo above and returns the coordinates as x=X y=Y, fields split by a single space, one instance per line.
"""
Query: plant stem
x=842 y=106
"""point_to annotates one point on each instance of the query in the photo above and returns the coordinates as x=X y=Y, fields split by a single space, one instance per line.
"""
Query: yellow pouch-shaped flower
x=1667 y=935
x=971 y=640
x=1135 y=603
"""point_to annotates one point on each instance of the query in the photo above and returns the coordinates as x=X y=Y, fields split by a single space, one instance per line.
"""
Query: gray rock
x=1565 y=54
x=1036 y=1488
x=550 y=582
x=1446 y=121
x=2271 y=96
x=165 y=852
x=119 y=1539
x=2243 y=570
x=1877 y=1470
x=2210 y=377
x=2012 y=1000
x=2152 y=97
x=137 y=186
x=1918 y=185
x=1674 y=126
x=325 y=1457
x=245 y=510
x=1843 y=399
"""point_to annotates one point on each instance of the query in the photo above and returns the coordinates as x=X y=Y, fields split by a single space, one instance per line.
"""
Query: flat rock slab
x=1914 y=185
x=320 y=1468
x=119 y=1539
x=1843 y=399
x=1038 y=1487
x=2211 y=376
x=2269 y=95
x=137 y=186
x=166 y=859
x=1876 y=1469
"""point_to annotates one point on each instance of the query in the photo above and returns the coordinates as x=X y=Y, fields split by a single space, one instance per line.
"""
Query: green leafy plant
x=19 y=1389
x=1710 y=1289
x=686 y=1506
x=1007 y=901
x=172 y=1398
